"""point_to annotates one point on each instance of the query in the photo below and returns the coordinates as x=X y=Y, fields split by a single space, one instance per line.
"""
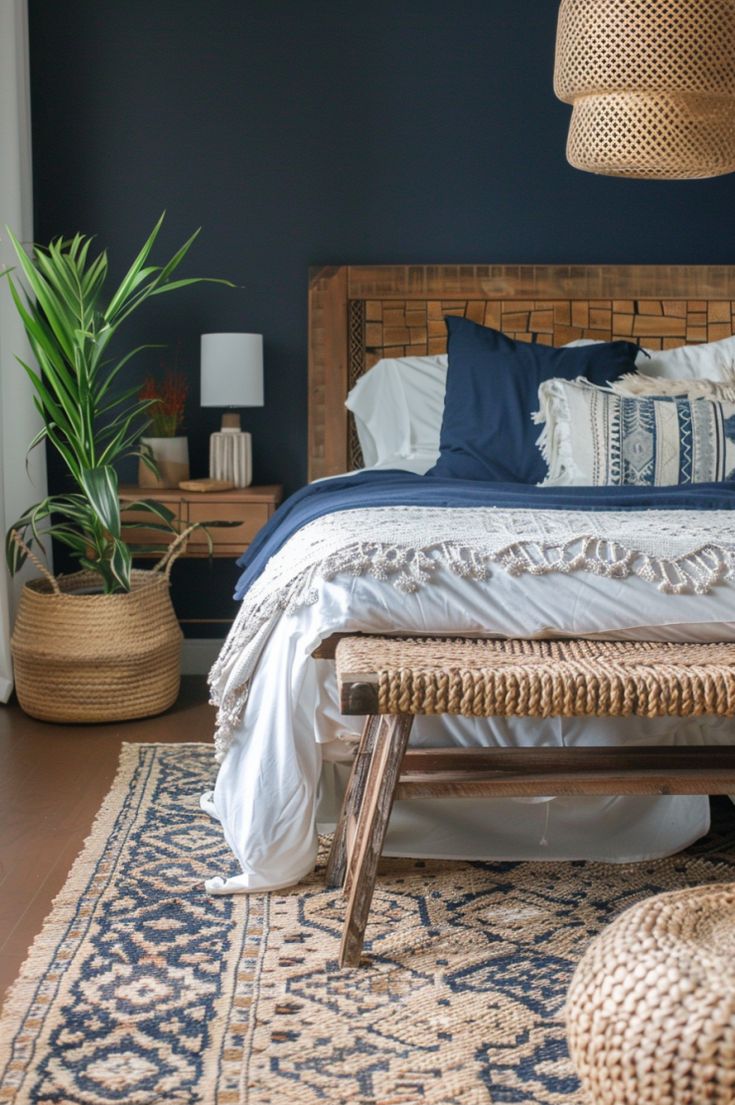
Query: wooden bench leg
x=351 y=803
x=383 y=772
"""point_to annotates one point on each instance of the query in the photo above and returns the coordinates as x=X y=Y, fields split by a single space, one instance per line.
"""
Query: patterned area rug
x=142 y=991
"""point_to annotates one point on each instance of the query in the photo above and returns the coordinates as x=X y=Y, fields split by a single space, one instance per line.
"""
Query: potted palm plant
x=102 y=643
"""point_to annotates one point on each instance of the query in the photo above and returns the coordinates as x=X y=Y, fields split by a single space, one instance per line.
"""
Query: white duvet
x=285 y=768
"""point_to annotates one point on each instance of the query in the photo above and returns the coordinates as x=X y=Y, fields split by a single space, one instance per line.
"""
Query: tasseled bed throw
x=677 y=552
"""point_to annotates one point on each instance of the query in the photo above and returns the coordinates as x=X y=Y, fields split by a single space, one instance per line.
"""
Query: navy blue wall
x=299 y=132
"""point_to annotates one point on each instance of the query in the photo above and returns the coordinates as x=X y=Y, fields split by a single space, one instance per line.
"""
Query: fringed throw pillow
x=593 y=437
x=634 y=383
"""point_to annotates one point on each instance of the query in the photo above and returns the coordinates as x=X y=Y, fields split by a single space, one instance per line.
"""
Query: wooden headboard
x=360 y=313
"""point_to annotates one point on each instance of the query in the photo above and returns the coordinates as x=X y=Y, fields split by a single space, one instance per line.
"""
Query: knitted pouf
x=651 y=1006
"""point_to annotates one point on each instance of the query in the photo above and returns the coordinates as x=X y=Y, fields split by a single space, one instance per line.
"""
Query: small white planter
x=172 y=457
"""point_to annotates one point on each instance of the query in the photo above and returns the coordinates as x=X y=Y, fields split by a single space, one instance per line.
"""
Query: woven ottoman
x=651 y=1006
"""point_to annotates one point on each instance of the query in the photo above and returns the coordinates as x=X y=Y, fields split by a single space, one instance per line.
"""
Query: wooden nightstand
x=250 y=506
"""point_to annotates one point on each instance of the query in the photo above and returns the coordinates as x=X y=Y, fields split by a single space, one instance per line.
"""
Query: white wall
x=21 y=484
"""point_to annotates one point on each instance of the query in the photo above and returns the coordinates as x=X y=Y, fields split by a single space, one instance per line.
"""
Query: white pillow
x=419 y=462
x=714 y=360
x=398 y=406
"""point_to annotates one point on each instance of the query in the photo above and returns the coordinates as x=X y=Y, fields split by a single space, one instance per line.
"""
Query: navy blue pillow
x=492 y=390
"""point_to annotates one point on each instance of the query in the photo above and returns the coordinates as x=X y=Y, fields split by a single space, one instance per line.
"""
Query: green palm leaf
x=101 y=488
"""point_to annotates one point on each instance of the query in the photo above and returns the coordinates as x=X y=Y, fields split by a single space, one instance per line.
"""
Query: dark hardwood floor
x=52 y=782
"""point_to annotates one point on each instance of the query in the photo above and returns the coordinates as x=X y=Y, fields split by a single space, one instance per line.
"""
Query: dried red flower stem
x=169 y=401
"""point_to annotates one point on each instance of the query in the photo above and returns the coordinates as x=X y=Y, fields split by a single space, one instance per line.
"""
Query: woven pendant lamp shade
x=652 y=84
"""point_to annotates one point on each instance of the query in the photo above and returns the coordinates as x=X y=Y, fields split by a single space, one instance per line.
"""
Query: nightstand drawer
x=248 y=507
x=251 y=517
x=147 y=536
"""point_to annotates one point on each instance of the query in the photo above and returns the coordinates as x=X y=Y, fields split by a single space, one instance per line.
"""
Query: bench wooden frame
x=385 y=769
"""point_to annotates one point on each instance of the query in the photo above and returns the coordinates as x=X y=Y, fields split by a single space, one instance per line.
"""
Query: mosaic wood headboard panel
x=360 y=313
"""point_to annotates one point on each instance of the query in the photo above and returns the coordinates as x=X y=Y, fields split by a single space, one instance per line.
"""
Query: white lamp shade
x=232 y=370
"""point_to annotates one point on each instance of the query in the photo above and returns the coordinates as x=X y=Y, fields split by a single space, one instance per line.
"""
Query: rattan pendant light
x=652 y=84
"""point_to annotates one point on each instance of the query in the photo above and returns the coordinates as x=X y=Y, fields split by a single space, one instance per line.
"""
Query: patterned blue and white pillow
x=593 y=437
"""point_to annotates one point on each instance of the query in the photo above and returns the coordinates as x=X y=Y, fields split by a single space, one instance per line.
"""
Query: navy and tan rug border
x=40 y=1013
x=142 y=990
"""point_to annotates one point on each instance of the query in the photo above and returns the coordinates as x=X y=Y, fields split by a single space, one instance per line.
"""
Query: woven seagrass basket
x=93 y=657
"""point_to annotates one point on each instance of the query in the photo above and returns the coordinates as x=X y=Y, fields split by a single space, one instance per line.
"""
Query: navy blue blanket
x=395 y=488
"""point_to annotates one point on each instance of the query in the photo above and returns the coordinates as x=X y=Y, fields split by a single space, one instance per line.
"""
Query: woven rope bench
x=390 y=680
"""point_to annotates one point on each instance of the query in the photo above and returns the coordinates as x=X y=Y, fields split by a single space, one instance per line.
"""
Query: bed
x=376 y=553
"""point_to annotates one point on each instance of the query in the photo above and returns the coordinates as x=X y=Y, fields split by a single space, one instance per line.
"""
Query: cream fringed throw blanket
x=676 y=551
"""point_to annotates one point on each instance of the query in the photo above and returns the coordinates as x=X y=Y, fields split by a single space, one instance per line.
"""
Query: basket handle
x=175 y=549
x=35 y=561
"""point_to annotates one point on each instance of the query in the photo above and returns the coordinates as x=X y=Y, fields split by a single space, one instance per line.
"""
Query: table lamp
x=231 y=376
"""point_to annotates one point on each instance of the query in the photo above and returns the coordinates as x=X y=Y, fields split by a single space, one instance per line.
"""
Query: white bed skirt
x=282 y=774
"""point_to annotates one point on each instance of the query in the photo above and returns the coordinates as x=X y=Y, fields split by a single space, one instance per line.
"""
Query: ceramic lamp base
x=231 y=457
